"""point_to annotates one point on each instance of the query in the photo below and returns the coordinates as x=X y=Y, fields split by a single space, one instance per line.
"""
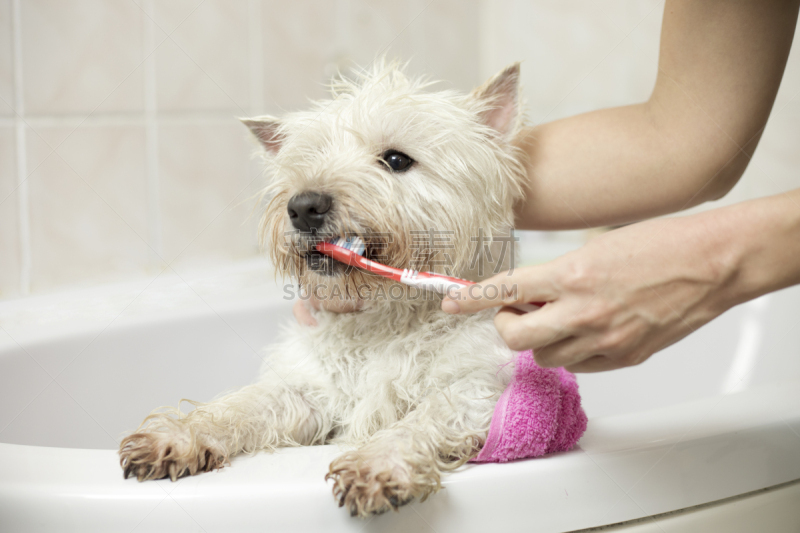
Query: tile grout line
x=154 y=226
x=121 y=119
x=23 y=214
x=486 y=45
x=255 y=43
x=342 y=31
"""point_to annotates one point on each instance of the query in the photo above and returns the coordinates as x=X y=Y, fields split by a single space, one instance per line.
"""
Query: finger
x=567 y=352
x=529 y=331
x=595 y=363
x=302 y=314
x=522 y=285
x=619 y=358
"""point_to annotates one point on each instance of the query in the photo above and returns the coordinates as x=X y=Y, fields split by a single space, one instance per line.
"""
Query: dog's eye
x=397 y=161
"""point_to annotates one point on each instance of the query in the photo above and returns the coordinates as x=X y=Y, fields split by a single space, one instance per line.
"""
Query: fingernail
x=449 y=306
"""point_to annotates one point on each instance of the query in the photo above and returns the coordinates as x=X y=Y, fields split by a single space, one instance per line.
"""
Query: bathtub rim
x=683 y=452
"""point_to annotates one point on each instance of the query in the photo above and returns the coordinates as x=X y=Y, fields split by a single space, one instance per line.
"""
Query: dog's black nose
x=307 y=210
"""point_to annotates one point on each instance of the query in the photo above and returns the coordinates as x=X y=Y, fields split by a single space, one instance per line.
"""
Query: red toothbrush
x=350 y=251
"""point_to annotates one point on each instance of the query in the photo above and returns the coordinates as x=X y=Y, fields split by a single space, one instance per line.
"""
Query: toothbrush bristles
x=354 y=244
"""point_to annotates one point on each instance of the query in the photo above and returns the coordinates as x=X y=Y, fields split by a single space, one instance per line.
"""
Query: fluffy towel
x=539 y=412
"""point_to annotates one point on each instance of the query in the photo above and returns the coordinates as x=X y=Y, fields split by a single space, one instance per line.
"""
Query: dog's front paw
x=366 y=486
x=156 y=455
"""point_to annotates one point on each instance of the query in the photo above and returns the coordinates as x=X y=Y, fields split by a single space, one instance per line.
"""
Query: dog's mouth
x=322 y=264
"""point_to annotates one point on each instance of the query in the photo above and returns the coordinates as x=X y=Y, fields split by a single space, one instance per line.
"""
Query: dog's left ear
x=499 y=98
x=267 y=130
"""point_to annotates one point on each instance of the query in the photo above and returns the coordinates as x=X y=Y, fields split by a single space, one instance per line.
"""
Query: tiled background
x=124 y=153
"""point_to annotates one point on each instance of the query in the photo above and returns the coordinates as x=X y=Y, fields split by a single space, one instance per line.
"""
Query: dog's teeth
x=354 y=244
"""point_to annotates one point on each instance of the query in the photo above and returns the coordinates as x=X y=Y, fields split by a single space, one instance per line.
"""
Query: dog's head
x=423 y=178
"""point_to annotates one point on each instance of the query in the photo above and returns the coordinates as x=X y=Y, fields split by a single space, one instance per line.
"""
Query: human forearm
x=764 y=241
x=719 y=70
x=607 y=167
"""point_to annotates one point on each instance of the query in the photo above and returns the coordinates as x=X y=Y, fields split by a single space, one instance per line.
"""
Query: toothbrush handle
x=427 y=280
x=442 y=284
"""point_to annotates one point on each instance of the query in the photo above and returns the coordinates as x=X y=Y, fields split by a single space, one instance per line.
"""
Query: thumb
x=522 y=285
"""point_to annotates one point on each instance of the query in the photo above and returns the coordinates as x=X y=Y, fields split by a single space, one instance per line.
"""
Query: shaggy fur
x=409 y=388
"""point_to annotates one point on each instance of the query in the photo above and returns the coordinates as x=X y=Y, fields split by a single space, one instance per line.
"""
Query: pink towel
x=539 y=412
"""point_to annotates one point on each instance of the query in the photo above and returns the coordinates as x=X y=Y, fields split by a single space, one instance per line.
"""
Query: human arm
x=720 y=66
x=634 y=291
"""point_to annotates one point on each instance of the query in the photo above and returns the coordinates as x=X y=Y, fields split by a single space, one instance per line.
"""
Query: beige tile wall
x=87 y=204
x=130 y=156
x=9 y=195
x=6 y=60
x=576 y=55
x=9 y=231
x=203 y=64
x=206 y=182
x=81 y=56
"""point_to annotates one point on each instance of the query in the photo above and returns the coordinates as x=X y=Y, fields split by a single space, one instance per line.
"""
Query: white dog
x=409 y=388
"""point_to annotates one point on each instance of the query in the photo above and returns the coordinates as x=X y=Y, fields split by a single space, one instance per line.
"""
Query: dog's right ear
x=267 y=131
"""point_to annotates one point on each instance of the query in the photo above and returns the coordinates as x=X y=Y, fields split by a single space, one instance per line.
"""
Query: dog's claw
x=382 y=510
x=396 y=502
x=155 y=455
x=344 y=496
x=365 y=491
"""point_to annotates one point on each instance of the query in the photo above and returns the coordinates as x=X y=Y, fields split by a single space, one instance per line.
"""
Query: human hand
x=617 y=300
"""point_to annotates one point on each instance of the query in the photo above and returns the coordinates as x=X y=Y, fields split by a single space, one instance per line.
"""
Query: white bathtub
x=712 y=418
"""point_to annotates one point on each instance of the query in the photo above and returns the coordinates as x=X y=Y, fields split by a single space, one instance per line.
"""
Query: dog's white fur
x=411 y=388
